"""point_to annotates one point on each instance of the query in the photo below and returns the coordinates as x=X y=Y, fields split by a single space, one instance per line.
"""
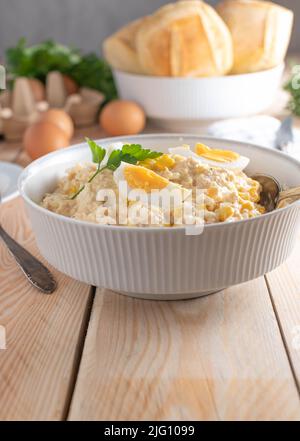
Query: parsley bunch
x=88 y=70
x=130 y=153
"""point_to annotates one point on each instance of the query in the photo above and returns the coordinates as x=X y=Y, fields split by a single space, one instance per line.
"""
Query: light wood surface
x=74 y=355
x=44 y=333
x=216 y=358
x=284 y=285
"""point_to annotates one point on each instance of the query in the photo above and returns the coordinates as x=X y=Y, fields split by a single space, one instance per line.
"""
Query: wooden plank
x=219 y=357
x=44 y=333
x=284 y=285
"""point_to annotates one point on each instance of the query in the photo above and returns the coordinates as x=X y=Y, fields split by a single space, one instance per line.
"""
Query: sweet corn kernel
x=254 y=195
x=247 y=205
x=148 y=163
x=210 y=204
x=158 y=164
x=255 y=184
x=261 y=209
x=164 y=161
x=212 y=192
x=244 y=196
x=73 y=189
x=225 y=213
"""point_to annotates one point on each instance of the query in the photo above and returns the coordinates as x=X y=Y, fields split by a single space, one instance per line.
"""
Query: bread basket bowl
x=182 y=103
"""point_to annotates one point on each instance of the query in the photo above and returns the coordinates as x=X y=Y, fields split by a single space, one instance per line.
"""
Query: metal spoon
x=273 y=196
x=285 y=135
x=37 y=274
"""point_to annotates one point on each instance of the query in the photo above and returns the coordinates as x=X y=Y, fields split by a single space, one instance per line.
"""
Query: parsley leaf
x=129 y=159
x=130 y=153
x=136 y=151
x=98 y=152
x=147 y=154
x=131 y=149
x=140 y=154
x=114 y=160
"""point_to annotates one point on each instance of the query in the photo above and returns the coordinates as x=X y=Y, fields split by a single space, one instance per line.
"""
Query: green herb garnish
x=293 y=87
x=87 y=70
x=130 y=153
x=98 y=152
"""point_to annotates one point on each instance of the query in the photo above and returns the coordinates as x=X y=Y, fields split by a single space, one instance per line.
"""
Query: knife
x=284 y=135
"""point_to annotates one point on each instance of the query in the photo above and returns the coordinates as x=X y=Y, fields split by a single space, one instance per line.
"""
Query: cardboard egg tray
x=19 y=108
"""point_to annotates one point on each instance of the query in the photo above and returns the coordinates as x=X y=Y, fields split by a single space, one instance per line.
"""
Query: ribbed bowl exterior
x=166 y=262
x=166 y=98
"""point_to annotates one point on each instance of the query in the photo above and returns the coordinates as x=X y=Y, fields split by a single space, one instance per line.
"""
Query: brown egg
x=70 y=85
x=120 y=117
x=38 y=89
x=61 y=119
x=42 y=138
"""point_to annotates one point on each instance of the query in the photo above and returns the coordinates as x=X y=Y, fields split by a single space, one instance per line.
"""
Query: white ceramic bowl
x=181 y=103
x=162 y=263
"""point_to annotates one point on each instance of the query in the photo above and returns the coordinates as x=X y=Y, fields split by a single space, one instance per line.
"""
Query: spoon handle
x=286 y=197
x=34 y=270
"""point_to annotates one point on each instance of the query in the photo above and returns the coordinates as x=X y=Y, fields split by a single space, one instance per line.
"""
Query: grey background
x=84 y=23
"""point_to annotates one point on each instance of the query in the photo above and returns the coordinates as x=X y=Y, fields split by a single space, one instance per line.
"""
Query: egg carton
x=29 y=98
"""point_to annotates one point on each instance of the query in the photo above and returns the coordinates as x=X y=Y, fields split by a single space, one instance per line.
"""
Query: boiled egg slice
x=221 y=158
x=138 y=178
x=212 y=157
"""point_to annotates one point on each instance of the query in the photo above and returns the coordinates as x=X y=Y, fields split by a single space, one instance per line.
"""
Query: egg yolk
x=216 y=154
x=143 y=178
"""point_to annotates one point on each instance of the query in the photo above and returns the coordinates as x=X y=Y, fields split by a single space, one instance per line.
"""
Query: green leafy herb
x=114 y=160
x=98 y=152
x=136 y=151
x=95 y=73
x=130 y=153
x=37 y=61
x=293 y=87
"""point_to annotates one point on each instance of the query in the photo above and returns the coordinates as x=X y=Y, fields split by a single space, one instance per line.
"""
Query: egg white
x=185 y=151
x=109 y=150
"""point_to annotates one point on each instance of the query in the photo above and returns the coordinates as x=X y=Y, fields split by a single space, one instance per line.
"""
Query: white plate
x=9 y=174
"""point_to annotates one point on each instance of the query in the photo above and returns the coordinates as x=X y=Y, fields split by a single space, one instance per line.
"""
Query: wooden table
x=86 y=353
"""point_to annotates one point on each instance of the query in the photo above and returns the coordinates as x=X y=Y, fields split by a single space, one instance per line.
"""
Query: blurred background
x=85 y=23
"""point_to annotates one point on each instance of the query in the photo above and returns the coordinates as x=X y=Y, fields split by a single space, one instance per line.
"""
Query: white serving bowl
x=162 y=263
x=180 y=103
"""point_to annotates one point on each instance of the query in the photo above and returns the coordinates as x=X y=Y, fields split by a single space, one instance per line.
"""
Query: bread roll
x=260 y=31
x=119 y=49
x=187 y=38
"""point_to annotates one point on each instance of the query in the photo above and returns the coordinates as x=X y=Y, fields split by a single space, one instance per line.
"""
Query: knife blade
x=284 y=135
